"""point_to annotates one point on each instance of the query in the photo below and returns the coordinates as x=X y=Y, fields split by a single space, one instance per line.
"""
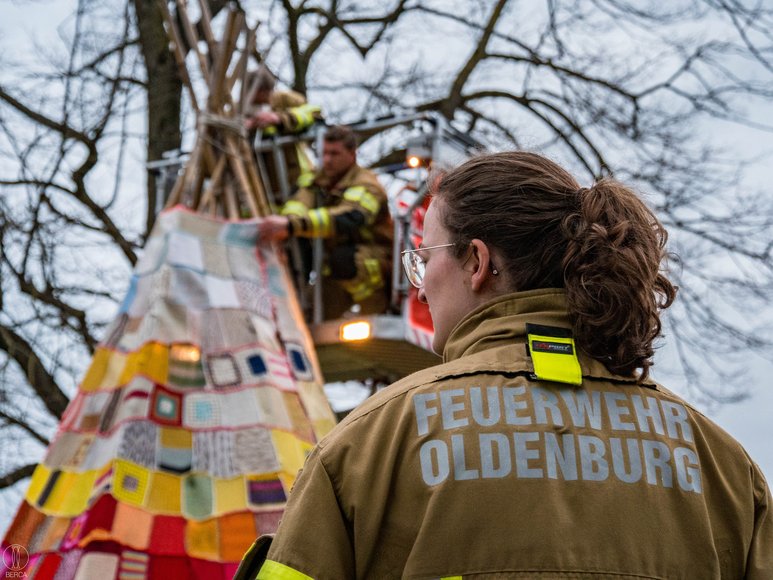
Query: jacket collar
x=502 y=323
x=323 y=180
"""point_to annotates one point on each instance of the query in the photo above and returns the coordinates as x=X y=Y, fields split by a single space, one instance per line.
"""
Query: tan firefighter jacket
x=295 y=115
x=353 y=210
x=482 y=468
x=294 y=112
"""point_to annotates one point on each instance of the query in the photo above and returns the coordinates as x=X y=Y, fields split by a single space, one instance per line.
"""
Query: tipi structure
x=204 y=397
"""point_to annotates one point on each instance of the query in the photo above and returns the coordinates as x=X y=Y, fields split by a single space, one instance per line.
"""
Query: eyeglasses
x=415 y=266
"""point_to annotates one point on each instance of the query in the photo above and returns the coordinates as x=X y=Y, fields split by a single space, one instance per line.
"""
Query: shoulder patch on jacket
x=553 y=353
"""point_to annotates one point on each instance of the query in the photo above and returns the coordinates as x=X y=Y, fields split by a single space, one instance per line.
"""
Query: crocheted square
x=298 y=417
x=253 y=297
x=168 y=538
x=175 y=450
x=279 y=370
x=24 y=525
x=317 y=408
x=172 y=323
x=262 y=492
x=97 y=522
x=164 y=495
x=299 y=362
x=221 y=292
x=272 y=408
x=106 y=421
x=101 y=451
x=265 y=331
x=189 y=289
x=244 y=265
x=202 y=539
x=166 y=406
x=133 y=566
x=69 y=564
x=135 y=400
x=267 y=522
x=138 y=443
x=237 y=532
x=150 y=289
x=97 y=565
x=216 y=259
x=202 y=410
x=185 y=251
x=130 y=482
x=197 y=496
x=55 y=531
x=132 y=526
x=213 y=452
x=239 y=409
x=151 y=361
x=223 y=370
x=254 y=451
x=153 y=254
x=185 y=369
x=230 y=495
x=240 y=234
x=226 y=330
x=291 y=451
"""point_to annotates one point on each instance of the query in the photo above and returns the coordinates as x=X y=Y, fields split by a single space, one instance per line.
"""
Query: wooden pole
x=193 y=39
x=206 y=27
x=232 y=204
x=179 y=185
x=257 y=190
x=177 y=43
x=240 y=72
x=214 y=181
x=217 y=93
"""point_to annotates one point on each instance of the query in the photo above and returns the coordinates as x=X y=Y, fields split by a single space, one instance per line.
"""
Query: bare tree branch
x=15 y=421
x=41 y=381
x=16 y=475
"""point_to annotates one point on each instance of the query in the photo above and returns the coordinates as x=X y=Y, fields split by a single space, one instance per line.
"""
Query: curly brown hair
x=602 y=244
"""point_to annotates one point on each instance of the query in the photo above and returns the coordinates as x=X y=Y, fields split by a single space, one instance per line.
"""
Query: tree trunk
x=164 y=92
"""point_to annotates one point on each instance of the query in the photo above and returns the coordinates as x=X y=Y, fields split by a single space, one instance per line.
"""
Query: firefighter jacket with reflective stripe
x=294 y=112
x=295 y=115
x=352 y=210
x=352 y=215
x=482 y=468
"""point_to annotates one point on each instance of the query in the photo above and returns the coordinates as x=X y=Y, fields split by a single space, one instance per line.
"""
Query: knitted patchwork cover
x=189 y=427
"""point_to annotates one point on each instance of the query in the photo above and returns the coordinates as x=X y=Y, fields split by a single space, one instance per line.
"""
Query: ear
x=481 y=262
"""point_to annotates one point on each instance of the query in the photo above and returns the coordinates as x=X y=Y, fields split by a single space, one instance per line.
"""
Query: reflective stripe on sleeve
x=275 y=571
x=360 y=289
x=374 y=272
x=358 y=194
x=304 y=115
x=294 y=207
x=320 y=222
x=358 y=292
x=306 y=178
x=307 y=169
